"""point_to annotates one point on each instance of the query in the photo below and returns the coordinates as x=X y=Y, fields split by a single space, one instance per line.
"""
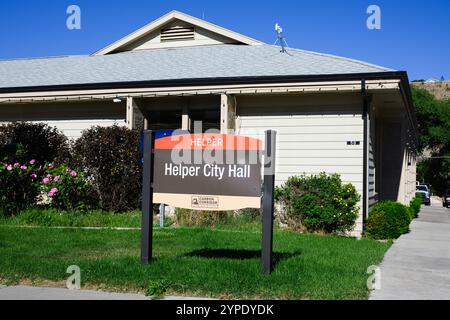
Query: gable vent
x=177 y=34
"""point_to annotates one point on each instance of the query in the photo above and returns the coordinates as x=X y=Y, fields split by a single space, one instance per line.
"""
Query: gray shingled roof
x=199 y=62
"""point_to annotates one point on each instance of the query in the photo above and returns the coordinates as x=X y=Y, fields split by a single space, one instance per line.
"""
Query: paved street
x=417 y=266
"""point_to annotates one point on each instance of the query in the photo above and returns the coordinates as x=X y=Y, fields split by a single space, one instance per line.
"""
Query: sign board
x=207 y=171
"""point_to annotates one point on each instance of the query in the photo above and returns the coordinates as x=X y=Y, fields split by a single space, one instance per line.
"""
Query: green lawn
x=196 y=261
x=53 y=218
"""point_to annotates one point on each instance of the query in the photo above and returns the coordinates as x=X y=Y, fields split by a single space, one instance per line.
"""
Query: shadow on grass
x=239 y=254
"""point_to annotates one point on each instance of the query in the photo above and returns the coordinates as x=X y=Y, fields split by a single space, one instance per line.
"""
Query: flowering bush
x=67 y=189
x=19 y=186
x=318 y=203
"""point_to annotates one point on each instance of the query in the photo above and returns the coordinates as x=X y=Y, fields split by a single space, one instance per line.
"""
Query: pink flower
x=56 y=179
x=45 y=180
x=32 y=161
x=24 y=167
x=52 y=192
x=49 y=175
x=16 y=165
x=73 y=173
x=9 y=168
x=33 y=176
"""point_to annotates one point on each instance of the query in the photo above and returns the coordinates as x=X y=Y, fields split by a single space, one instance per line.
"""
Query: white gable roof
x=175 y=17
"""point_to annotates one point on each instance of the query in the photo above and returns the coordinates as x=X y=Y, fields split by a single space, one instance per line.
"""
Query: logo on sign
x=203 y=202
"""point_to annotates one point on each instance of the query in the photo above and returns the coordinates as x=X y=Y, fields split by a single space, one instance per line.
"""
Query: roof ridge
x=337 y=57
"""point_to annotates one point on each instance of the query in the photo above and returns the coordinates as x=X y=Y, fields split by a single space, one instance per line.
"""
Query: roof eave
x=212 y=81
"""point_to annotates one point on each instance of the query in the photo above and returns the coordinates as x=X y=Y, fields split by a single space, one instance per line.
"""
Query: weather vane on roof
x=280 y=38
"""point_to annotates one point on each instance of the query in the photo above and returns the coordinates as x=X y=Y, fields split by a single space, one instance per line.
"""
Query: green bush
x=200 y=218
x=23 y=141
x=388 y=220
x=249 y=214
x=318 y=203
x=415 y=205
x=19 y=186
x=68 y=189
x=110 y=156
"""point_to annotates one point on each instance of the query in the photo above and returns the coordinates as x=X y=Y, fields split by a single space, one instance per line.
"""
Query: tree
x=433 y=118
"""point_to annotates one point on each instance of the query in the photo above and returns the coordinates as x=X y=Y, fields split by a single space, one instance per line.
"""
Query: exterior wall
x=70 y=118
x=313 y=131
x=372 y=165
x=396 y=156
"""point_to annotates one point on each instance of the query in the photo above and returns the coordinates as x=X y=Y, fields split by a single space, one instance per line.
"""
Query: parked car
x=446 y=199
x=424 y=191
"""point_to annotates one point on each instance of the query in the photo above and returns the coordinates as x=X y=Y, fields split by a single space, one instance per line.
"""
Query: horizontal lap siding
x=70 y=118
x=371 y=187
x=311 y=142
x=371 y=182
x=74 y=128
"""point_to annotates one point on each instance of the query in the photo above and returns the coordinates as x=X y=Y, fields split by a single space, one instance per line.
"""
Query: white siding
x=70 y=118
x=309 y=140
x=371 y=172
x=73 y=128
x=312 y=135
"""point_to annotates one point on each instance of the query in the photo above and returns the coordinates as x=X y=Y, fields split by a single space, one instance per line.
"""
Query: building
x=332 y=114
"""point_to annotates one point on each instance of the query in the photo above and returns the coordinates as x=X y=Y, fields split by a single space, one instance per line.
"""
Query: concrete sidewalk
x=40 y=293
x=417 y=266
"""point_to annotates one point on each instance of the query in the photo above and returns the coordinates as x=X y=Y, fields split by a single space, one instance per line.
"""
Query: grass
x=132 y=219
x=218 y=263
x=53 y=218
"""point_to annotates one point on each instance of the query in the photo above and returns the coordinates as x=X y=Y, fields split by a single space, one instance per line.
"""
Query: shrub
x=22 y=141
x=19 y=186
x=318 y=203
x=388 y=220
x=68 y=189
x=110 y=156
x=198 y=218
x=250 y=214
x=415 y=205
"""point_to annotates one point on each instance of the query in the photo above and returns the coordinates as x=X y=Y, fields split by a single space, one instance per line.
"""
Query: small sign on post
x=208 y=171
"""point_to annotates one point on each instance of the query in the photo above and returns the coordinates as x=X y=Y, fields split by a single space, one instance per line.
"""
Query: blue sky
x=414 y=34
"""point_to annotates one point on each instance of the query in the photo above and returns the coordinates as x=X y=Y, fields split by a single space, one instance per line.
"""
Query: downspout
x=365 y=116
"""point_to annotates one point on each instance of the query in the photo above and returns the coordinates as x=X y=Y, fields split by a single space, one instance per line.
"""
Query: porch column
x=185 y=119
x=227 y=113
x=135 y=117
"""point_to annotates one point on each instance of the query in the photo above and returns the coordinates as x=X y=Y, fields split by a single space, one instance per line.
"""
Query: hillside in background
x=439 y=89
